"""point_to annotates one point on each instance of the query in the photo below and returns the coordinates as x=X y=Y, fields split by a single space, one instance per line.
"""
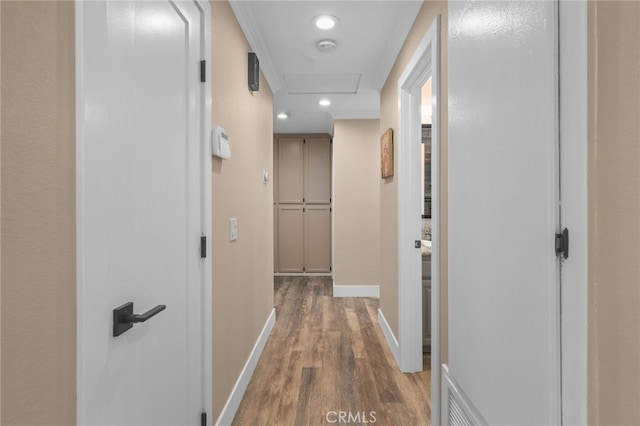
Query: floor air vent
x=457 y=416
x=458 y=410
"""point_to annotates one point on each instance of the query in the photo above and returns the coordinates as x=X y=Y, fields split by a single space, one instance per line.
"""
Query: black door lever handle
x=124 y=318
x=146 y=315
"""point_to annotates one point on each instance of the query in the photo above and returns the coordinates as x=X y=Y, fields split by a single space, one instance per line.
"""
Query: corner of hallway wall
x=389 y=187
x=356 y=202
x=38 y=334
x=613 y=211
x=242 y=269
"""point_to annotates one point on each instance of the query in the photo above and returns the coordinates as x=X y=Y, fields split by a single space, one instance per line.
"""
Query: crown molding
x=403 y=25
x=254 y=37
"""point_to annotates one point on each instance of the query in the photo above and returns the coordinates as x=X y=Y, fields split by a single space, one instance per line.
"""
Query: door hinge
x=203 y=418
x=562 y=243
x=203 y=71
x=203 y=246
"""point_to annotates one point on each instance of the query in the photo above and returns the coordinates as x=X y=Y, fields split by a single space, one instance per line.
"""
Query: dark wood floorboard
x=326 y=355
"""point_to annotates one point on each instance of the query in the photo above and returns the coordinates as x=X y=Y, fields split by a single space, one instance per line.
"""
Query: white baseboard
x=356 y=290
x=302 y=274
x=388 y=334
x=230 y=408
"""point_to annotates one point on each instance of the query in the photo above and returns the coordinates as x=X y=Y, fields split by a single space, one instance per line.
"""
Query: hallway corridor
x=325 y=358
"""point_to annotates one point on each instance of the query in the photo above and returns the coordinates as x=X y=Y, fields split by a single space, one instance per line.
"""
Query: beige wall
x=356 y=202
x=243 y=269
x=38 y=213
x=389 y=187
x=614 y=213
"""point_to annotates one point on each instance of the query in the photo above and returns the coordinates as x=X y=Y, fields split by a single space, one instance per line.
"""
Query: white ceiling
x=368 y=37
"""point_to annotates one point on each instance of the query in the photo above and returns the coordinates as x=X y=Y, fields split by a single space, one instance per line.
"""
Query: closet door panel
x=317 y=170
x=290 y=170
x=275 y=239
x=317 y=220
x=290 y=238
x=275 y=173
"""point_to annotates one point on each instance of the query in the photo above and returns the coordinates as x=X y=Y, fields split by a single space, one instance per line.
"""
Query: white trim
x=388 y=334
x=573 y=169
x=402 y=26
x=80 y=261
x=356 y=290
x=302 y=274
x=251 y=30
x=207 y=216
x=233 y=402
x=424 y=63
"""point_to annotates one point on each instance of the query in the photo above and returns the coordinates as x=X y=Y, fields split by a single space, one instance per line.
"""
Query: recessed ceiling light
x=325 y=22
x=282 y=116
x=324 y=102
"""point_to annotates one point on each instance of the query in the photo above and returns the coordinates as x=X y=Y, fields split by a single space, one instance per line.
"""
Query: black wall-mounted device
x=253 y=72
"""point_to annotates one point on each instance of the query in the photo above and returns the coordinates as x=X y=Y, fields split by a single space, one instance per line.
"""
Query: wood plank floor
x=326 y=355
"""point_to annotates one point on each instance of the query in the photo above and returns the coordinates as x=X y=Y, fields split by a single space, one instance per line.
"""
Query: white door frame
x=573 y=134
x=205 y=103
x=206 y=288
x=425 y=63
x=573 y=34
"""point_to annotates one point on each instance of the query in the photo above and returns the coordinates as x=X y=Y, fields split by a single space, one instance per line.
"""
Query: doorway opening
x=426 y=213
x=424 y=66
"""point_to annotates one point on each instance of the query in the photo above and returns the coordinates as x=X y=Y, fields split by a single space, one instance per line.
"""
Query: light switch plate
x=233 y=229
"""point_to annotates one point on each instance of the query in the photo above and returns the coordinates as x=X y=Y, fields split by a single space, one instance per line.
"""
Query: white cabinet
x=426 y=313
x=426 y=301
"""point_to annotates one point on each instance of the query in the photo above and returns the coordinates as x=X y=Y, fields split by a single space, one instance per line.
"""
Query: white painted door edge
x=573 y=169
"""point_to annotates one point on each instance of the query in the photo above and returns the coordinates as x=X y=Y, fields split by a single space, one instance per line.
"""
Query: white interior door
x=140 y=211
x=504 y=348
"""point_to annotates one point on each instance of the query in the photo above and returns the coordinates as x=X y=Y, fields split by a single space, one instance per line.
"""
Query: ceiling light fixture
x=282 y=116
x=324 y=102
x=325 y=22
